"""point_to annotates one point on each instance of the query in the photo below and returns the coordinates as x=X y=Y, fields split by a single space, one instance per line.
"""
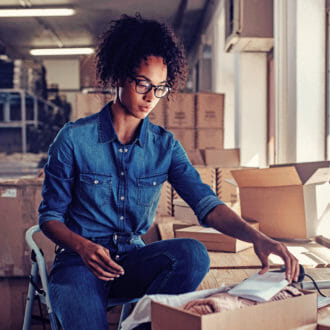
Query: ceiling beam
x=178 y=19
x=11 y=51
x=193 y=49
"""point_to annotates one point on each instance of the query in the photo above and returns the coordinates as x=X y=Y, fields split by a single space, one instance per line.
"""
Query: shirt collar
x=107 y=132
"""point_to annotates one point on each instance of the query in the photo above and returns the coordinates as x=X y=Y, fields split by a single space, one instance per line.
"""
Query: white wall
x=311 y=69
x=242 y=77
x=300 y=71
x=252 y=95
x=223 y=80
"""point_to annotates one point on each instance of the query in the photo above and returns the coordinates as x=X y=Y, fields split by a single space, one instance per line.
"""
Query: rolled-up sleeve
x=188 y=184
x=59 y=178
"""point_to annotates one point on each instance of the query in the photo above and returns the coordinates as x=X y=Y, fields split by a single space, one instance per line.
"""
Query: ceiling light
x=34 y=12
x=61 y=51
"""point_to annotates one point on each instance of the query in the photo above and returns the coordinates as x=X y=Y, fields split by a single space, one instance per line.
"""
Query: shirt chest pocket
x=95 y=188
x=149 y=189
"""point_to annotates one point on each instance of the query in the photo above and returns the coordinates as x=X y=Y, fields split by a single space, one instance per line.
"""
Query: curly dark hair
x=129 y=40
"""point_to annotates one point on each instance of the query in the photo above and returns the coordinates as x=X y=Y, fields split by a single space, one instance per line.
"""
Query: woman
x=102 y=185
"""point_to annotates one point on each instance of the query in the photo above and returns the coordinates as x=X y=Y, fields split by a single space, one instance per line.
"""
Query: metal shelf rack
x=21 y=108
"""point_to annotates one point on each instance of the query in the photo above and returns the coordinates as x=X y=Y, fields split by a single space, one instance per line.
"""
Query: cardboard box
x=157 y=115
x=221 y=158
x=87 y=104
x=195 y=156
x=87 y=71
x=283 y=314
x=213 y=239
x=19 y=202
x=208 y=176
x=287 y=201
x=167 y=225
x=165 y=205
x=180 y=111
x=12 y=306
x=209 y=138
x=186 y=136
x=225 y=189
x=209 y=110
x=324 y=324
x=183 y=212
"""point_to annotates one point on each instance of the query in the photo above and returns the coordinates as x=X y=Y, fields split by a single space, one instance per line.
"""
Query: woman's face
x=153 y=71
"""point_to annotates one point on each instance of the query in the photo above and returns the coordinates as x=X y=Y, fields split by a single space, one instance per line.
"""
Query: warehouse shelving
x=26 y=113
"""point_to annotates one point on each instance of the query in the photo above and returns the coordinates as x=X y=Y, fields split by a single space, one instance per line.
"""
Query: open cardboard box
x=285 y=314
x=288 y=201
x=213 y=239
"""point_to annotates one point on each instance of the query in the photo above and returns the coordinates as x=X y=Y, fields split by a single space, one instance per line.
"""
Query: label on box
x=10 y=193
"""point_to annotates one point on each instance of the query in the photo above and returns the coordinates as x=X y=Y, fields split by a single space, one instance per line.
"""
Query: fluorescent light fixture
x=61 y=51
x=34 y=12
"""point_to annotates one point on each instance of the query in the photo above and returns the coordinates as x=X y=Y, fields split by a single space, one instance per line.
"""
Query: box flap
x=268 y=177
x=221 y=158
x=321 y=175
x=306 y=169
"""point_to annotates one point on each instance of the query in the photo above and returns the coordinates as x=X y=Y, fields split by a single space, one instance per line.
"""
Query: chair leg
x=125 y=311
x=30 y=297
x=53 y=321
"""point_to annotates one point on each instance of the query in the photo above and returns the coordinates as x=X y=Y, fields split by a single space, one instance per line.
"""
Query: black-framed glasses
x=143 y=86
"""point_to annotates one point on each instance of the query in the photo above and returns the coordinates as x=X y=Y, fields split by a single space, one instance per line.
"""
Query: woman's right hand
x=98 y=260
x=96 y=257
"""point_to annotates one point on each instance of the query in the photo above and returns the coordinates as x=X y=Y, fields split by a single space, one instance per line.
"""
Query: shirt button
x=117 y=257
x=121 y=217
x=125 y=150
x=96 y=181
x=122 y=173
x=154 y=183
x=115 y=237
x=122 y=198
x=120 y=150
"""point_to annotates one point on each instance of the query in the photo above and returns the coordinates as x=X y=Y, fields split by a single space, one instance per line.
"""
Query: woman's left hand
x=265 y=246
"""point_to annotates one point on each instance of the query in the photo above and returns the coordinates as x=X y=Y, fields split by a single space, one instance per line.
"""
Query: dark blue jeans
x=79 y=299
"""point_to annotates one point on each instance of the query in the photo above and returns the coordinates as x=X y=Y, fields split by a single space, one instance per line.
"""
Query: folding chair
x=39 y=271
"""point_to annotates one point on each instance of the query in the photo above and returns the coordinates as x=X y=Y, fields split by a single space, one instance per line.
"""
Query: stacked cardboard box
x=87 y=71
x=213 y=239
x=89 y=103
x=218 y=176
x=19 y=201
x=165 y=205
x=158 y=114
x=180 y=119
x=208 y=175
x=13 y=298
x=196 y=119
x=183 y=212
x=209 y=120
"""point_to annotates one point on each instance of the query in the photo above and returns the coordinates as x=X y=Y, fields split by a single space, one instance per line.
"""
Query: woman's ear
x=119 y=83
x=116 y=84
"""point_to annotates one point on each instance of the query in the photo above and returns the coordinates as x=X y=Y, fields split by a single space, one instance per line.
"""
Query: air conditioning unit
x=249 y=25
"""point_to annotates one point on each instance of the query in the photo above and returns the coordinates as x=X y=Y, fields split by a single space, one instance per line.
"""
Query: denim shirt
x=97 y=186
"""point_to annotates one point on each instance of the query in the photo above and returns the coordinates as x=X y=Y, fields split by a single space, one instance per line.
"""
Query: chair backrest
x=37 y=254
